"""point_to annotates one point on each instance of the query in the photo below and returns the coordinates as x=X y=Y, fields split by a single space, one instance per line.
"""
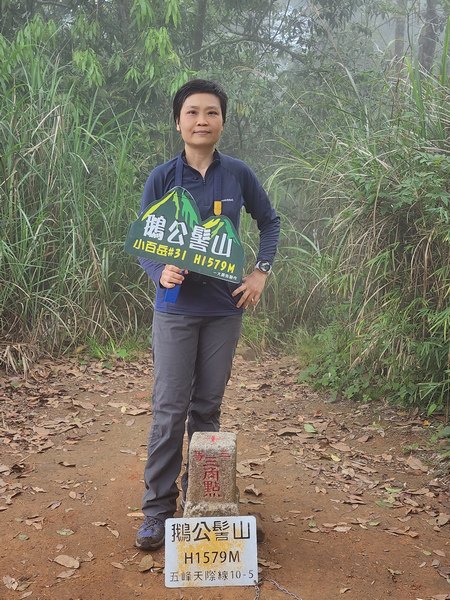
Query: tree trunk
x=401 y=14
x=30 y=9
x=124 y=10
x=428 y=35
x=399 y=47
x=124 y=13
x=197 y=38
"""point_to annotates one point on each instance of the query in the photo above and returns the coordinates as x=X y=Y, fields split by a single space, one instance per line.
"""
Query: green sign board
x=170 y=231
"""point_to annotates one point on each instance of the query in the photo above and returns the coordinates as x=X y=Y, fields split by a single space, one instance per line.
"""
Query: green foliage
x=387 y=329
x=361 y=177
x=258 y=332
x=86 y=62
x=67 y=176
x=127 y=349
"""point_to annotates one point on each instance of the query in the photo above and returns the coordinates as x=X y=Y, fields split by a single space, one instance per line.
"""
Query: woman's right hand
x=172 y=276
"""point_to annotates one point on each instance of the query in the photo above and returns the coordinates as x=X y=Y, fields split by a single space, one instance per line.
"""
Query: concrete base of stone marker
x=212 y=490
x=211 y=509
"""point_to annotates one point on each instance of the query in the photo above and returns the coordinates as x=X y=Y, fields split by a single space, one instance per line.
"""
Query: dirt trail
x=348 y=511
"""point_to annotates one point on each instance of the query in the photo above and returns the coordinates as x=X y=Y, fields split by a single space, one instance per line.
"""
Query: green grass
x=68 y=190
x=383 y=283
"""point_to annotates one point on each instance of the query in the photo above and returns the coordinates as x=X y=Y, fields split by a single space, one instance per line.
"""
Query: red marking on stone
x=213 y=438
x=211 y=488
x=199 y=455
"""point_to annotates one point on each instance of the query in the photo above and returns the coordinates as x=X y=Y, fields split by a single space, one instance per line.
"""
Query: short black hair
x=199 y=86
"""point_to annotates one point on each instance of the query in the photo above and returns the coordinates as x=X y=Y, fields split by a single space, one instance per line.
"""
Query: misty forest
x=340 y=106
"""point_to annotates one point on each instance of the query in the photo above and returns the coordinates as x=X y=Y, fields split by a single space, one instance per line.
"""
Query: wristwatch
x=264 y=266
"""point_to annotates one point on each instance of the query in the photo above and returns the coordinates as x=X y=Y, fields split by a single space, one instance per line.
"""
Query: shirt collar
x=216 y=157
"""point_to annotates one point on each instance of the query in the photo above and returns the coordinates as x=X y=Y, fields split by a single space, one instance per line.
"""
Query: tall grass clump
x=293 y=294
x=66 y=198
x=383 y=181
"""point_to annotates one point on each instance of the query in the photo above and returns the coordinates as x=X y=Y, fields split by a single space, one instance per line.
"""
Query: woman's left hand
x=251 y=288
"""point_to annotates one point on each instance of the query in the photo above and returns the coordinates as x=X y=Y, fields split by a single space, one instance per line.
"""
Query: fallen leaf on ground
x=65 y=532
x=67 y=561
x=289 y=431
x=393 y=572
x=341 y=446
x=416 y=465
x=442 y=519
x=146 y=563
x=35 y=522
x=268 y=563
x=435 y=563
x=83 y=404
x=406 y=531
x=118 y=565
x=89 y=558
x=309 y=428
x=134 y=412
x=65 y=574
x=250 y=489
x=343 y=590
x=444 y=572
x=353 y=500
x=113 y=531
x=421 y=492
x=10 y=582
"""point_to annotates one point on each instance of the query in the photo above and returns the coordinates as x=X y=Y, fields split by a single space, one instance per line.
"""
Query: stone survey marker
x=212 y=487
x=211 y=546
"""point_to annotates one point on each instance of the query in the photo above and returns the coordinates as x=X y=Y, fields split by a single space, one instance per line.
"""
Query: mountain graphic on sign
x=216 y=224
x=179 y=205
x=183 y=209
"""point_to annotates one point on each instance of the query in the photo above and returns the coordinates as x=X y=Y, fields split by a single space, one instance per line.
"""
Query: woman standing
x=194 y=339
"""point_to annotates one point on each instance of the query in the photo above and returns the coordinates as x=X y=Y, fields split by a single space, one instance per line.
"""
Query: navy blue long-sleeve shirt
x=200 y=295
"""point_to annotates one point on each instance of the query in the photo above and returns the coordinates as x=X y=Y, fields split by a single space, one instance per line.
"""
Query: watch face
x=264 y=266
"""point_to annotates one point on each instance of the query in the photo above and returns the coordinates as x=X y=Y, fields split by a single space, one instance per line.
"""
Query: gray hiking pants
x=192 y=358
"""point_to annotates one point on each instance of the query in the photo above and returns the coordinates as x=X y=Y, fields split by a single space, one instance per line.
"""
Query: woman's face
x=201 y=121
